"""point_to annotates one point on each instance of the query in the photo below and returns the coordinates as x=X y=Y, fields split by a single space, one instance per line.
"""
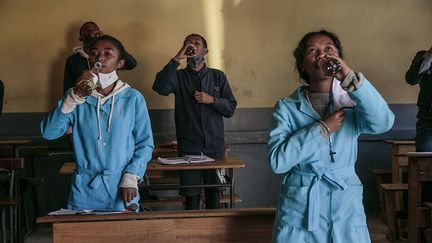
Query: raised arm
x=55 y=123
x=373 y=116
x=412 y=76
x=166 y=79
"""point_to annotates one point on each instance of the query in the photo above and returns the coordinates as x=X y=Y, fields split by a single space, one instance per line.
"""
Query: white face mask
x=106 y=79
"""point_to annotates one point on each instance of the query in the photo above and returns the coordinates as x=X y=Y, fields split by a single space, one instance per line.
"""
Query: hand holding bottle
x=87 y=81
x=335 y=66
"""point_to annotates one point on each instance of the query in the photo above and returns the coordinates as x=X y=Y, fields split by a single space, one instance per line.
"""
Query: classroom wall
x=251 y=40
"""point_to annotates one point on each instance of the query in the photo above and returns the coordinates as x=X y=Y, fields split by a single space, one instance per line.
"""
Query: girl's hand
x=344 y=68
x=127 y=194
x=335 y=121
x=82 y=87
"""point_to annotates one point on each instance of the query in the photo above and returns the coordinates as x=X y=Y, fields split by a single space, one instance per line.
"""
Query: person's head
x=198 y=41
x=88 y=32
x=311 y=48
x=109 y=51
x=197 y=61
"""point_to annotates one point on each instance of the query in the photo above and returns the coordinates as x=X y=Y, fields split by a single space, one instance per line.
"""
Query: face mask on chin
x=106 y=79
x=194 y=62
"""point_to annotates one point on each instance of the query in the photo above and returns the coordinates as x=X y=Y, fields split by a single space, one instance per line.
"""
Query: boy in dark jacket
x=202 y=97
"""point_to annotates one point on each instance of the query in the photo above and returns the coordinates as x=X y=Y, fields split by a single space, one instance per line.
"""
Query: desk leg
x=232 y=191
x=414 y=192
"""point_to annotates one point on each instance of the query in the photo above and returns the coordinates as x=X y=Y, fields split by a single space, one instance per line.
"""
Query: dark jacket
x=76 y=64
x=424 y=101
x=199 y=127
x=1 y=96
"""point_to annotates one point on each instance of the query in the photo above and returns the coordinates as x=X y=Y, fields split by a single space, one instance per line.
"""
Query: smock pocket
x=357 y=217
x=78 y=193
x=293 y=204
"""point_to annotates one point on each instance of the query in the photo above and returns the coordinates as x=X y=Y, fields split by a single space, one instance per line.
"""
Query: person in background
x=420 y=72
x=202 y=98
x=1 y=96
x=111 y=133
x=313 y=139
x=79 y=61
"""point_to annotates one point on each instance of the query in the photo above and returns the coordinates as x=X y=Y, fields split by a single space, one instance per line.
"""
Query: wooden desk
x=173 y=152
x=223 y=225
x=15 y=143
x=229 y=163
x=399 y=147
x=419 y=171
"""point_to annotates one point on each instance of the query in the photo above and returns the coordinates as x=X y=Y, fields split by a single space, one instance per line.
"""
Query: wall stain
x=253 y=74
x=248 y=93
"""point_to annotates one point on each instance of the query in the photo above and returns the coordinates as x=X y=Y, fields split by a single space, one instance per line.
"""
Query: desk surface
x=401 y=142
x=226 y=163
x=15 y=141
x=158 y=215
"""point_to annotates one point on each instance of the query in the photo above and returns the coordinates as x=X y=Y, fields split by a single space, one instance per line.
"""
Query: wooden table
x=222 y=225
x=229 y=163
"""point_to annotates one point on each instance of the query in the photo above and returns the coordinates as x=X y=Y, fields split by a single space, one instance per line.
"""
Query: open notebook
x=187 y=159
x=63 y=211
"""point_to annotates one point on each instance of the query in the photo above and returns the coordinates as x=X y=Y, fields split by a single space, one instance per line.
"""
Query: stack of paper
x=187 y=159
x=63 y=211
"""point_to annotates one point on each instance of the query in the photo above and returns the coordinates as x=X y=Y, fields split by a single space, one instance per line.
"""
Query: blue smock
x=124 y=144
x=321 y=201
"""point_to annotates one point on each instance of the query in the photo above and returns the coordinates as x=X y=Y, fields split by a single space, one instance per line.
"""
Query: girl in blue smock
x=313 y=139
x=111 y=133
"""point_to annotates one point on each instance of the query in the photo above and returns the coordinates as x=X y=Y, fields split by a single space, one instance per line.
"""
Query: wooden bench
x=226 y=225
x=9 y=206
x=394 y=217
x=382 y=176
x=178 y=200
x=428 y=231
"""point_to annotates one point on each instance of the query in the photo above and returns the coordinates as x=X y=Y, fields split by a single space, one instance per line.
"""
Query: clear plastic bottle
x=87 y=86
x=190 y=51
x=330 y=66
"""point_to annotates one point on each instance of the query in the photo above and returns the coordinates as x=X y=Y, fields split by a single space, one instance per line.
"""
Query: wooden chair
x=9 y=205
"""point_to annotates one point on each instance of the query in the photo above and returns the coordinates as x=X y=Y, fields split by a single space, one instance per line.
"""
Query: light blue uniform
x=101 y=162
x=321 y=201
